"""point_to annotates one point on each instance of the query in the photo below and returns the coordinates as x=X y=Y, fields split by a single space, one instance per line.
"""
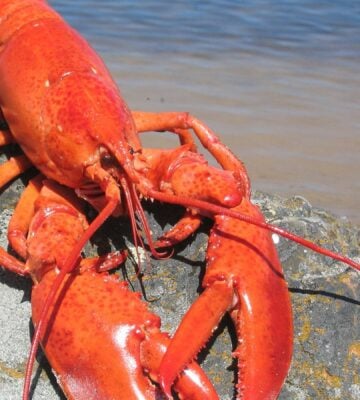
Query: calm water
x=278 y=81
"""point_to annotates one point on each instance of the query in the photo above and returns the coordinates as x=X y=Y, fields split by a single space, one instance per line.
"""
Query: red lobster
x=100 y=338
x=68 y=116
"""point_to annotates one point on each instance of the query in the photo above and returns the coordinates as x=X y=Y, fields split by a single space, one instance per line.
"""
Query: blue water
x=302 y=28
x=278 y=80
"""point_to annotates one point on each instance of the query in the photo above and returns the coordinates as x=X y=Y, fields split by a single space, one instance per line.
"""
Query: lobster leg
x=170 y=121
x=12 y=168
x=12 y=264
x=18 y=228
x=146 y=122
x=21 y=218
x=185 y=227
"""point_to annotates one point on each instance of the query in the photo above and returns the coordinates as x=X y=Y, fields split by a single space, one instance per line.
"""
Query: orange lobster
x=68 y=116
x=101 y=339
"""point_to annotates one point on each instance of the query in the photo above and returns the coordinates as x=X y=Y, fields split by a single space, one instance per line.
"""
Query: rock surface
x=325 y=298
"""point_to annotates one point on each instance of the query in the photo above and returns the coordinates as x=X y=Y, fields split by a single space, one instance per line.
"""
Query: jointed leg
x=172 y=121
x=147 y=122
x=12 y=168
x=11 y=263
x=24 y=211
x=18 y=227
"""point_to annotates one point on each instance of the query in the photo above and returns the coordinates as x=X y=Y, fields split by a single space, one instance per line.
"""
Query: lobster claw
x=94 y=318
x=202 y=318
x=192 y=382
x=244 y=278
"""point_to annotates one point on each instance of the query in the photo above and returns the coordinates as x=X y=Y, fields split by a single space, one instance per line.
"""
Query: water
x=278 y=81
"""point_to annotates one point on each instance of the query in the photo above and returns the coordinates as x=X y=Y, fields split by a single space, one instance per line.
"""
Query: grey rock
x=325 y=297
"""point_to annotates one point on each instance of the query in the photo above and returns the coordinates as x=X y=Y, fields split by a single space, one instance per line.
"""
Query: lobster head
x=88 y=124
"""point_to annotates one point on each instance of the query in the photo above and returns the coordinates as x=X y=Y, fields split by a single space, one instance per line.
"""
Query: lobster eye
x=107 y=160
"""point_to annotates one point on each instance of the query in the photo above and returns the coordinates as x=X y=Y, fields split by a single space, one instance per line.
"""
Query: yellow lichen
x=331 y=380
x=354 y=350
x=320 y=331
x=11 y=372
x=305 y=330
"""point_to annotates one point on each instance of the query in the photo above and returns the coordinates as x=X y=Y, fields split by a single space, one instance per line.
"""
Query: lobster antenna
x=215 y=209
x=69 y=265
x=134 y=205
x=140 y=212
x=131 y=212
